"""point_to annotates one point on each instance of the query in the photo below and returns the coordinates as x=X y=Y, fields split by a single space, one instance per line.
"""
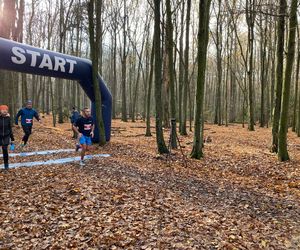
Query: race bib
x=87 y=126
x=28 y=121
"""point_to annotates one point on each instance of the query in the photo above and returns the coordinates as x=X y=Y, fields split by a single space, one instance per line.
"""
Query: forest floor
x=237 y=197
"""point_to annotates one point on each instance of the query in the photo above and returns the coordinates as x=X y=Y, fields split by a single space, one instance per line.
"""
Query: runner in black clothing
x=27 y=115
x=84 y=126
x=6 y=134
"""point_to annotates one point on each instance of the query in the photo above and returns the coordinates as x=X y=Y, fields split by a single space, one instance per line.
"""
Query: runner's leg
x=88 y=143
x=5 y=156
x=83 y=143
x=27 y=133
x=83 y=147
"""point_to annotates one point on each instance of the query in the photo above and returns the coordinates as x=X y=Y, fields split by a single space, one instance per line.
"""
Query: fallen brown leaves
x=237 y=197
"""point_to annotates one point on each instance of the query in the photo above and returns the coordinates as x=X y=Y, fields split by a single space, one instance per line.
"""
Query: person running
x=84 y=126
x=74 y=116
x=6 y=133
x=27 y=114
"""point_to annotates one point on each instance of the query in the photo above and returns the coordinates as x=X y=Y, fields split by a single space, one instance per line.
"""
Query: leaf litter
x=237 y=197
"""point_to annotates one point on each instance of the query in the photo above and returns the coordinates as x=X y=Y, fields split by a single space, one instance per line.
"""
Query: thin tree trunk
x=186 y=69
x=218 y=41
x=54 y=109
x=181 y=82
x=279 y=74
x=150 y=80
x=250 y=18
x=263 y=78
x=124 y=69
x=203 y=33
x=169 y=45
x=297 y=79
x=161 y=146
x=296 y=85
x=95 y=43
x=283 y=122
x=114 y=86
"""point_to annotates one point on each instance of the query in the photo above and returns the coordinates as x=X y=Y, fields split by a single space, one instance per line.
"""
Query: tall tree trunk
x=124 y=69
x=150 y=80
x=24 y=88
x=169 y=47
x=263 y=79
x=7 y=30
x=269 y=75
x=114 y=86
x=203 y=34
x=279 y=74
x=250 y=18
x=59 y=82
x=147 y=69
x=273 y=74
x=297 y=79
x=79 y=95
x=166 y=90
x=135 y=93
x=95 y=43
x=18 y=34
x=137 y=81
x=227 y=72
x=161 y=146
x=233 y=79
x=181 y=82
x=296 y=85
x=283 y=122
x=48 y=96
x=218 y=41
x=53 y=103
x=44 y=95
x=63 y=24
x=186 y=69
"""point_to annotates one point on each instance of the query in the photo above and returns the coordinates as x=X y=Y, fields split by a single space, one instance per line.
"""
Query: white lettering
x=72 y=63
x=59 y=63
x=19 y=58
x=34 y=55
x=46 y=62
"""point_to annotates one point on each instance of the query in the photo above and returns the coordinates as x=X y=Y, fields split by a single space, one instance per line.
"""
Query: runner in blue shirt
x=84 y=126
x=27 y=114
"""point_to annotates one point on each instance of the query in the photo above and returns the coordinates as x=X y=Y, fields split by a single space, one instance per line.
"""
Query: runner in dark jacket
x=27 y=114
x=6 y=133
x=73 y=118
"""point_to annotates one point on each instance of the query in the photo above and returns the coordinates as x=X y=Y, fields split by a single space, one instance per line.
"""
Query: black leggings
x=27 y=131
x=5 y=154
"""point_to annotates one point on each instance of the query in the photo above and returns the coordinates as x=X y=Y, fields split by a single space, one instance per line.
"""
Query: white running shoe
x=82 y=163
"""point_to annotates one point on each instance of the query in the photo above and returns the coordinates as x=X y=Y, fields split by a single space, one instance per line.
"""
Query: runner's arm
x=76 y=129
x=92 y=132
x=17 y=116
x=36 y=116
x=11 y=133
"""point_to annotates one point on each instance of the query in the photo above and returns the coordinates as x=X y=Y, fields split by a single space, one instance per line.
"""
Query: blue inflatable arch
x=27 y=59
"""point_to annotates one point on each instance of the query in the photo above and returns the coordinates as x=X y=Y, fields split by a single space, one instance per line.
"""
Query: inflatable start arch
x=27 y=59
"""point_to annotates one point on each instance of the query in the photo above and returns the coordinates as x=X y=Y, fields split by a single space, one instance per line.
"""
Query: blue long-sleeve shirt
x=27 y=116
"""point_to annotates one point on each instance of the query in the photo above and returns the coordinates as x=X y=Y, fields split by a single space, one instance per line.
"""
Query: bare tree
x=283 y=122
x=95 y=44
x=161 y=146
x=203 y=34
x=279 y=73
